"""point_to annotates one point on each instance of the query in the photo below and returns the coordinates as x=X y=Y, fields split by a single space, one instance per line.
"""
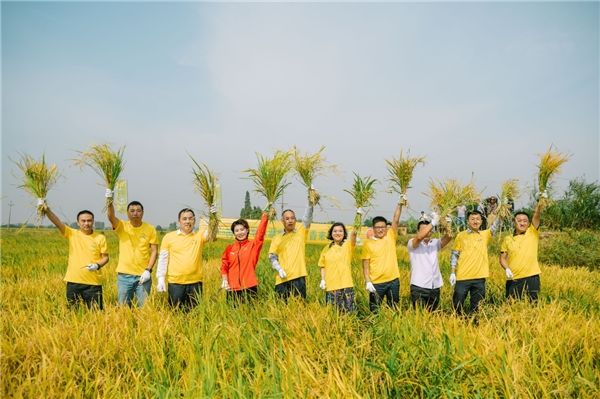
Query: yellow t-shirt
x=473 y=259
x=83 y=250
x=383 y=261
x=134 y=247
x=337 y=262
x=522 y=250
x=289 y=248
x=185 y=256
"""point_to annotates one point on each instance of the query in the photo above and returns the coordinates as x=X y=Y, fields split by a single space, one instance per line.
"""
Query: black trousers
x=429 y=298
x=91 y=295
x=388 y=291
x=527 y=286
x=295 y=287
x=474 y=288
x=185 y=296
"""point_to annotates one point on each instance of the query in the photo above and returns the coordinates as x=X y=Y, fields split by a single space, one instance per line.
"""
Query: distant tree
x=246 y=211
x=172 y=226
x=579 y=207
x=159 y=227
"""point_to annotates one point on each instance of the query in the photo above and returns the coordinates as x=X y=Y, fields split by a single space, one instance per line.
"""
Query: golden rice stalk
x=38 y=178
x=108 y=164
x=401 y=171
x=269 y=176
x=446 y=196
x=207 y=184
x=550 y=163
x=308 y=167
x=510 y=191
x=363 y=193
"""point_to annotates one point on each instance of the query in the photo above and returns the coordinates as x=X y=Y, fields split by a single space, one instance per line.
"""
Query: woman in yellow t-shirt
x=336 y=268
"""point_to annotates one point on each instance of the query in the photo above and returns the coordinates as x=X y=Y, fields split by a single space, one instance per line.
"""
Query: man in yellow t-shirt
x=180 y=261
x=380 y=261
x=287 y=255
x=88 y=253
x=469 y=261
x=519 y=255
x=138 y=248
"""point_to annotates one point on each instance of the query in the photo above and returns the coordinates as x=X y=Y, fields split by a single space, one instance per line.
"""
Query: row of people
x=180 y=260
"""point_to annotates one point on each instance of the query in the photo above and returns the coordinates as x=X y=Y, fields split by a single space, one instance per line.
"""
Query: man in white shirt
x=425 y=275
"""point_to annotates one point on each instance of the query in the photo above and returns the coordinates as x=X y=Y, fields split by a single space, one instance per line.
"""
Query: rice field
x=274 y=349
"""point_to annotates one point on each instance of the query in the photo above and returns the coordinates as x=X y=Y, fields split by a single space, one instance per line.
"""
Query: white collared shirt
x=424 y=265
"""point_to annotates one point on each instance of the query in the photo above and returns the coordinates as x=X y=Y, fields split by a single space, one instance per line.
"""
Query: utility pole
x=10 y=205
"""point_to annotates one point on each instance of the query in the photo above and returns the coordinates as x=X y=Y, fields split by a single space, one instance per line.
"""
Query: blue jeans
x=128 y=285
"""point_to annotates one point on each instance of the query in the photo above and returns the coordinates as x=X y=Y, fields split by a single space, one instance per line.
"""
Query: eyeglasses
x=379 y=227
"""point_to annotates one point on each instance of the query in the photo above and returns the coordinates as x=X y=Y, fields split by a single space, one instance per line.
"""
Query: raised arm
x=308 y=216
x=56 y=221
x=537 y=213
x=112 y=217
x=398 y=212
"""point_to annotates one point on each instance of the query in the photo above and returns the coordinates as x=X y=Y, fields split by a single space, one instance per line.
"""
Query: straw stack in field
x=108 y=164
x=363 y=193
x=510 y=192
x=38 y=179
x=207 y=184
x=550 y=164
x=401 y=171
x=269 y=177
x=308 y=167
x=447 y=195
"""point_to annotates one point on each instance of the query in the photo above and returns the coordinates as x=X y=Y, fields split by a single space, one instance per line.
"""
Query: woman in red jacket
x=238 y=263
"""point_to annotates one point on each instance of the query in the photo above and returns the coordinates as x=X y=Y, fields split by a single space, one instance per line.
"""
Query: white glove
x=370 y=287
x=92 y=267
x=212 y=208
x=435 y=218
x=225 y=283
x=41 y=201
x=509 y=274
x=161 y=286
x=448 y=220
x=144 y=277
x=544 y=194
x=108 y=193
x=403 y=199
x=452 y=279
x=322 y=285
x=359 y=211
x=282 y=274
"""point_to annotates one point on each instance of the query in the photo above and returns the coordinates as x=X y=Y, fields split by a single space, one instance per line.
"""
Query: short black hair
x=185 y=210
x=330 y=237
x=133 y=203
x=475 y=212
x=425 y=222
x=287 y=210
x=378 y=219
x=85 y=212
x=521 y=213
x=242 y=222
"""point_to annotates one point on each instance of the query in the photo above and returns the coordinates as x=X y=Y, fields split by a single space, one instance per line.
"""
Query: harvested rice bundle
x=269 y=177
x=550 y=163
x=108 y=164
x=38 y=179
x=401 y=171
x=308 y=167
x=446 y=196
x=207 y=184
x=363 y=193
x=510 y=192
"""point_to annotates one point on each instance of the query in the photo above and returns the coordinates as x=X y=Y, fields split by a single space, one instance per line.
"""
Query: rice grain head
x=401 y=171
x=207 y=184
x=446 y=196
x=108 y=164
x=269 y=177
x=38 y=178
x=308 y=167
x=363 y=193
x=550 y=164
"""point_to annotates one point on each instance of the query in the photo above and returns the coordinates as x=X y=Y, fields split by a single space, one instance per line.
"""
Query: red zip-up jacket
x=240 y=258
